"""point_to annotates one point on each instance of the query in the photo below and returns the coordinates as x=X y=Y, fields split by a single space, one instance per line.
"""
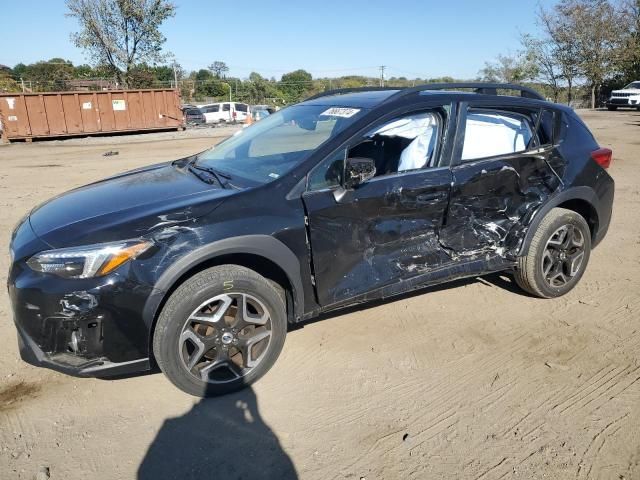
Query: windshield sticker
x=340 y=112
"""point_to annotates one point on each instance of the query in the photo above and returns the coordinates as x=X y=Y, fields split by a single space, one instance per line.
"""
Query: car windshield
x=634 y=85
x=270 y=148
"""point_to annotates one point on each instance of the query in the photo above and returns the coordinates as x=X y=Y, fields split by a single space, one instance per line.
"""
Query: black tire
x=176 y=315
x=611 y=108
x=530 y=275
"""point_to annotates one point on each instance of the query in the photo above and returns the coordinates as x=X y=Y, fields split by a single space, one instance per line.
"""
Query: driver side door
x=385 y=230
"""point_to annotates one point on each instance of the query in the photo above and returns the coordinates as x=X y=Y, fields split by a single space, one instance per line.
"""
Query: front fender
x=264 y=246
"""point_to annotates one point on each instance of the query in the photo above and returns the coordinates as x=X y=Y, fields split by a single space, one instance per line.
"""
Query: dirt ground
x=469 y=380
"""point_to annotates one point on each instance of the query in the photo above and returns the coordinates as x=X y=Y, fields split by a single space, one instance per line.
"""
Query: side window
x=226 y=107
x=241 y=107
x=402 y=144
x=328 y=173
x=546 y=127
x=215 y=108
x=491 y=133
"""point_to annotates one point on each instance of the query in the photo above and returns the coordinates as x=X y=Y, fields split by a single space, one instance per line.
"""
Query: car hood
x=632 y=91
x=128 y=205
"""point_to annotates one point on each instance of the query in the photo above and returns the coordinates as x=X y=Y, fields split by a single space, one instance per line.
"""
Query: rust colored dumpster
x=24 y=116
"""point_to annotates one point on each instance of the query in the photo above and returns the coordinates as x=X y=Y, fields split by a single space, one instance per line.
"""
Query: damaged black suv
x=199 y=265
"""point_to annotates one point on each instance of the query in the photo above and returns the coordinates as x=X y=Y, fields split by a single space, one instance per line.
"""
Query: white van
x=224 y=112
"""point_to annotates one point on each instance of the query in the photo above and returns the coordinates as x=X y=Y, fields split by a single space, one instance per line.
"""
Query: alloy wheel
x=563 y=255
x=225 y=337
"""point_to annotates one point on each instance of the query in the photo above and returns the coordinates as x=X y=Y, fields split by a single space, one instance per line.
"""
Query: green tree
x=294 y=84
x=121 y=33
x=509 y=69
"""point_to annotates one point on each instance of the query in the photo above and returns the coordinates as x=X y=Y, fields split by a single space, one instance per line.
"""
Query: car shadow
x=219 y=438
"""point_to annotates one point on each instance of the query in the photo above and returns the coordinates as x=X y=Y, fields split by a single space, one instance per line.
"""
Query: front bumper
x=630 y=102
x=82 y=327
x=75 y=365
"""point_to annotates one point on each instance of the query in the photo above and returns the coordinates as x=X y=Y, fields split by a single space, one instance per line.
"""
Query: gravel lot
x=468 y=380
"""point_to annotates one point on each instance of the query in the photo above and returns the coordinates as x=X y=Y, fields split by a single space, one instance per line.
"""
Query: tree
x=219 y=69
x=121 y=33
x=560 y=43
x=294 y=84
x=598 y=36
x=628 y=54
x=46 y=75
x=542 y=53
x=7 y=83
x=509 y=69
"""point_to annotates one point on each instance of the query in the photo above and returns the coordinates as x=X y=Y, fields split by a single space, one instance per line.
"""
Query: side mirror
x=358 y=170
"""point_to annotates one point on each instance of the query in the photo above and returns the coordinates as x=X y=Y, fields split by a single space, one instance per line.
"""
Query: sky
x=412 y=38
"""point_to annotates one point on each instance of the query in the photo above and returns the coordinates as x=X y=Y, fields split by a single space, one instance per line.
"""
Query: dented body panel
x=329 y=247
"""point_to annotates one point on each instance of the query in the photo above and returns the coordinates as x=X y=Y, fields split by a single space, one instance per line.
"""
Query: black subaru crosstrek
x=200 y=264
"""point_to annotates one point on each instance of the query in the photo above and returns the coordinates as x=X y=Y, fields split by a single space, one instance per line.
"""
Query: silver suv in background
x=628 y=97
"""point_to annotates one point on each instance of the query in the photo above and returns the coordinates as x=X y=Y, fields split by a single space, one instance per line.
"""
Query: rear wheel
x=558 y=255
x=221 y=330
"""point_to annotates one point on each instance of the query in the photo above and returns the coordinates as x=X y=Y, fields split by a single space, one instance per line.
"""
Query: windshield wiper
x=214 y=173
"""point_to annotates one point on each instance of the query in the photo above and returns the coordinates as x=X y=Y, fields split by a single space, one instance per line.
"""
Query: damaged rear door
x=386 y=229
x=501 y=174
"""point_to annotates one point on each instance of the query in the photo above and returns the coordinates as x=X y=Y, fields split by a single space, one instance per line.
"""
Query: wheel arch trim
x=583 y=193
x=264 y=246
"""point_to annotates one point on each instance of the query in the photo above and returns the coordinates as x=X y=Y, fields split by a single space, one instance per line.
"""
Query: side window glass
x=328 y=173
x=403 y=144
x=546 y=127
x=226 y=107
x=492 y=133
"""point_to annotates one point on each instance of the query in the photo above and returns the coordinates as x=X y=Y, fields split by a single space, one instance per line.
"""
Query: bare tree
x=218 y=68
x=121 y=33
x=542 y=53
x=561 y=45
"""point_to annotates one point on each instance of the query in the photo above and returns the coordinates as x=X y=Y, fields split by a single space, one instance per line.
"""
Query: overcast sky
x=328 y=38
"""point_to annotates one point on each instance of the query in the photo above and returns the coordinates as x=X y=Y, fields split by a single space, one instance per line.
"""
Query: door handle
x=430 y=197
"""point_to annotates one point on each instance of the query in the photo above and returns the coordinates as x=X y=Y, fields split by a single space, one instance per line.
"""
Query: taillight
x=602 y=156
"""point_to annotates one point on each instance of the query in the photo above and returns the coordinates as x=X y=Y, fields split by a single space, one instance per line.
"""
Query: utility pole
x=22 y=82
x=175 y=74
x=382 y=67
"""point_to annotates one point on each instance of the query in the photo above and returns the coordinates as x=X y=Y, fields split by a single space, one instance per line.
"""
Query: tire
x=544 y=250
x=612 y=109
x=180 y=337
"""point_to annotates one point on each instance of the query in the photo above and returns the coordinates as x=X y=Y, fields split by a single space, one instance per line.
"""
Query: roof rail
x=342 y=91
x=478 y=87
x=485 y=88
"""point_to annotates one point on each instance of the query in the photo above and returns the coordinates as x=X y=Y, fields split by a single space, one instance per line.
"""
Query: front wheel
x=220 y=330
x=558 y=255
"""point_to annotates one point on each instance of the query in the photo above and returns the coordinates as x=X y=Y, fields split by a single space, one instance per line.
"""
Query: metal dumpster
x=61 y=114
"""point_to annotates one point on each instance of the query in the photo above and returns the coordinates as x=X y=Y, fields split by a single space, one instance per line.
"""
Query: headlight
x=88 y=261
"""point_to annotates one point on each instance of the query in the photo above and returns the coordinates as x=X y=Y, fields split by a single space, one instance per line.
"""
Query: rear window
x=492 y=133
x=241 y=107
